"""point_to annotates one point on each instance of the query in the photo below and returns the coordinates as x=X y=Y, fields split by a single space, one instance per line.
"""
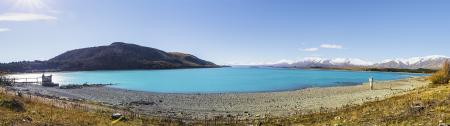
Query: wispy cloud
x=22 y=17
x=331 y=46
x=4 y=29
x=310 y=49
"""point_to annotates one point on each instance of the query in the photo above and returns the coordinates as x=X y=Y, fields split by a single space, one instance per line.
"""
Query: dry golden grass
x=425 y=106
x=38 y=113
x=42 y=114
x=442 y=76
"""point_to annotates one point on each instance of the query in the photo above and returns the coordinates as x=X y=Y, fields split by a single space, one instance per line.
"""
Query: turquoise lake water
x=220 y=80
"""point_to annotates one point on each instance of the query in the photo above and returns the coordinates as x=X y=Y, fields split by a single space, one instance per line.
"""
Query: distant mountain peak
x=430 y=62
x=119 y=43
x=322 y=62
x=414 y=60
x=339 y=61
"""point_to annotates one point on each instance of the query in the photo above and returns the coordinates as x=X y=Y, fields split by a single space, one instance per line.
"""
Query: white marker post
x=371 y=83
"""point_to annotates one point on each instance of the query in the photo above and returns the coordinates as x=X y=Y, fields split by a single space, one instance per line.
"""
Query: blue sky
x=229 y=31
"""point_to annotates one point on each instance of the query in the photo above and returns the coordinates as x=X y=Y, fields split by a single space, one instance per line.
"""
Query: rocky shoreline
x=240 y=106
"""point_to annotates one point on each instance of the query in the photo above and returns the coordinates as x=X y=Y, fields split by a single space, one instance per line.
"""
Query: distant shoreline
x=62 y=71
x=369 y=69
x=225 y=66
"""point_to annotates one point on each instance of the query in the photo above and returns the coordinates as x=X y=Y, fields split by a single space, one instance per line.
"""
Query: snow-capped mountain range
x=429 y=62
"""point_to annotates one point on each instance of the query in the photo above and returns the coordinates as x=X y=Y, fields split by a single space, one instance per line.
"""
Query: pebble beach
x=199 y=106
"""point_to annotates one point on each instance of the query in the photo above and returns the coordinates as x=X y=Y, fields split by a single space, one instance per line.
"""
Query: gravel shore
x=236 y=105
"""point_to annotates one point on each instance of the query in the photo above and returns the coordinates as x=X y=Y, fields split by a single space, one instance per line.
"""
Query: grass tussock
x=442 y=76
x=14 y=105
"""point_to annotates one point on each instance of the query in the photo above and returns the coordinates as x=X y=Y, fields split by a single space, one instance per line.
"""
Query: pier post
x=390 y=86
x=371 y=83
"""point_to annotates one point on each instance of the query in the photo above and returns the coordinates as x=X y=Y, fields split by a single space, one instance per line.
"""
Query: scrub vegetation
x=428 y=105
x=442 y=76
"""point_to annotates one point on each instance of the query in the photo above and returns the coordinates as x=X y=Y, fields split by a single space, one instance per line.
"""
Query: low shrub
x=442 y=76
x=14 y=105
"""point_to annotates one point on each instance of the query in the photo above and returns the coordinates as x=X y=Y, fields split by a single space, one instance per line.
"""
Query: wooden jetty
x=44 y=80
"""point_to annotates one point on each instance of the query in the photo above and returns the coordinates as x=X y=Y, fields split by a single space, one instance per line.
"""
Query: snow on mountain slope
x=430 y=62
x=322 y=62
x=414 y=60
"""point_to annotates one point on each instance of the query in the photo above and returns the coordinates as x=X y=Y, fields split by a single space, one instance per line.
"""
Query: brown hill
x=117 y=56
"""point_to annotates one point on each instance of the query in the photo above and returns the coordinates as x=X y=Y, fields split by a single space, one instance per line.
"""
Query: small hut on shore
x=47 y=81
